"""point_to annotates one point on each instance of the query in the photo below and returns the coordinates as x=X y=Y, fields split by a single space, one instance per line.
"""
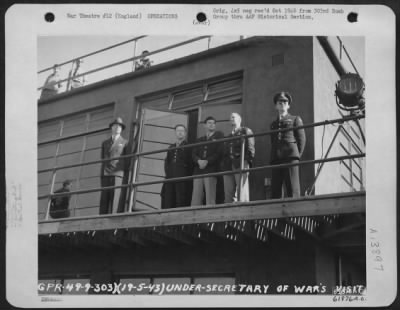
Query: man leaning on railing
x=59 y=206
x=51 y=85
x=77 y=81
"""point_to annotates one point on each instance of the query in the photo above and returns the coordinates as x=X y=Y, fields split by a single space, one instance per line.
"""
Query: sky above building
x=55 y=50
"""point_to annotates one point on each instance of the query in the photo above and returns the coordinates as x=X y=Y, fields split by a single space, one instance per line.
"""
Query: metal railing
x=133 y=185
x=130 y=59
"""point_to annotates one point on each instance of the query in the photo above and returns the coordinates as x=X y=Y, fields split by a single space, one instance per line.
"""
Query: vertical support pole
x=78 y=180
x=70 y=77
x=53 y=178
x=132 y=198
x=54 y=172
x=322 y=163
x=242 y=144
x=134 y=55
x=340 y=271
x=209 y=42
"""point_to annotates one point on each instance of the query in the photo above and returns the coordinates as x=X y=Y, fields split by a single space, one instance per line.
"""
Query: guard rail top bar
x=133 y=58
x=229 y=172
x=94 y=53
x=326 y=122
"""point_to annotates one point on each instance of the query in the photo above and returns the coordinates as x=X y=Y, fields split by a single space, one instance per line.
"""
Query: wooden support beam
x=174 y=232
x=305 y=206
x=246 y=230
x=135 y=237
x=307 y=224
x=277 y=226
x=120 y=238
x=206 y=234
x=154 y=236
x=219 y=231
x=194 y=232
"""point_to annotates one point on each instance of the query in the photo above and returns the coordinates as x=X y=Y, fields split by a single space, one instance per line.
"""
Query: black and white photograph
x=205 y=164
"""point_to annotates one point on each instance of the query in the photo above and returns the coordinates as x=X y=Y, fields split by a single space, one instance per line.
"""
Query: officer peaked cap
x=283 y=95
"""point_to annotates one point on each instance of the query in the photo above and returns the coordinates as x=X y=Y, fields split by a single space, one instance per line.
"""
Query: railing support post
x=321 y=165
x=242 y=148
x=53 y=179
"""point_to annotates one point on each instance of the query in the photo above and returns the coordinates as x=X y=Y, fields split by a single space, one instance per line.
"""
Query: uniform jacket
x=233 y=148
x=287 y=145
x=109 y=149
x=210 y=152
x=178 y=161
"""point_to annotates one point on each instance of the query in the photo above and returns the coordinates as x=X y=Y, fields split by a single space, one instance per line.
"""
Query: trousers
x=232 y=184
x=175 y=195
x=207 y=184
x=110 y=199
x=288 y=176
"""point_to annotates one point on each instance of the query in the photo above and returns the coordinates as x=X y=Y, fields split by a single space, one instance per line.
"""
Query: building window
x=73 y=139
x=217 y=91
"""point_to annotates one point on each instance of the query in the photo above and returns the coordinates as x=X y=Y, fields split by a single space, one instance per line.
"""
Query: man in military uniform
x=59 y=206
x=287 y=147
x=206 y=159
x=232 y=158
x=112 y=171
x=177 y=164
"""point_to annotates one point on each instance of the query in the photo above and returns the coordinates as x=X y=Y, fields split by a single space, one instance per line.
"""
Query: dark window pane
x=96 y=140
x=46 y=163
x=187 y=98
x=71 y=146
x=47 y=150
x=101 y=118
x=227 y=89
x=74 y=125
x=93 y=170
x=156 y=102
x=49 y=130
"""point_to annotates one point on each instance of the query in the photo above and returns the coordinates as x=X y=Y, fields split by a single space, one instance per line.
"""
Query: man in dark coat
x=177 y=164
x=207 y=160
x=287 y=147
x=59 y=206
x=112 y=171
x=232 y=158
